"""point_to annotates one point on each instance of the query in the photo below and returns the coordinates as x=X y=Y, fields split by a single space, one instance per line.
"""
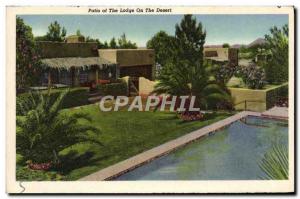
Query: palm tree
x=185 y=72
x=43 y=130
x=181 y=78
x=275 y=163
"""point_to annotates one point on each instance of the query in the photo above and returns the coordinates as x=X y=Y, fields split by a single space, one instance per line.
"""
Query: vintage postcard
x=135 y=99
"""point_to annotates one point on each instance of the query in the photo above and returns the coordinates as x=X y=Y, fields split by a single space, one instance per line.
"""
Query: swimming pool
x=232 y=153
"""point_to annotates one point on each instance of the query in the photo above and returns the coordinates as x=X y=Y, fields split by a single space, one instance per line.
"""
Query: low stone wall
x=257 y=100
x=146 y=86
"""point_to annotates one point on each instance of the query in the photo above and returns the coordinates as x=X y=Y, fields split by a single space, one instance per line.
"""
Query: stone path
x=142 y=158
x=277 y=113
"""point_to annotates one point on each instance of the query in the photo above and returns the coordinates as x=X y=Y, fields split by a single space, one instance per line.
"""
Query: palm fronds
x=44 y=130
x=275 y=163
x=180 y=79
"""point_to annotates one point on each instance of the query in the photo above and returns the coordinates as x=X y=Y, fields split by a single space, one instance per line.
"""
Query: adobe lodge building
x=78 y=63
x=221 y=55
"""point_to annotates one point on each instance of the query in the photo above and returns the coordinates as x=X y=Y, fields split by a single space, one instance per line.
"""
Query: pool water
x=232 y=153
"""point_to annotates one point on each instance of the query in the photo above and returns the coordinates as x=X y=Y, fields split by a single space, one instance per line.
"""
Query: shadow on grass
x=173 y=117
x=72 y=161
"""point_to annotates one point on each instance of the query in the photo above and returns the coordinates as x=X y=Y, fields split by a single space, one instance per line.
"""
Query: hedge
x=115 y=89
x=280 y=91
x=75 y=97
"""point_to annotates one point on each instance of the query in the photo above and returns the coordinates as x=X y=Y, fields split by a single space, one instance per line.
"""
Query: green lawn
x=125 y=134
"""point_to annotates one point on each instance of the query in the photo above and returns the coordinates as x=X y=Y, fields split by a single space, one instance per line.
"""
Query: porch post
x=117 y=71
x=73 y=76
x=49 y=78
x=96 y=78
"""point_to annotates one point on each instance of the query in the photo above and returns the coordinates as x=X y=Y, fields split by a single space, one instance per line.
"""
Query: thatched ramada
x=67 y=63
x=75 y=62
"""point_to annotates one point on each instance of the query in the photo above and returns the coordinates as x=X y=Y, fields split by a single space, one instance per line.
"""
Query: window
x=83 y=76
x=210 y=54
x=65 y=77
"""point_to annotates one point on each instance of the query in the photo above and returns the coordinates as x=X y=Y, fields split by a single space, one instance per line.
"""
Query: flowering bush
x=39 y=166
x=282 y=102
x=103 y=81
x=223 y=73
x=190 y=115
x=253 y=76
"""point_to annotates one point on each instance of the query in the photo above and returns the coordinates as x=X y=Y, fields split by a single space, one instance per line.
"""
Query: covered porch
x=78 y=71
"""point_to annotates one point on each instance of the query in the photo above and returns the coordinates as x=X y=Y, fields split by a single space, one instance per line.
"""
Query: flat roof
x=121 y=49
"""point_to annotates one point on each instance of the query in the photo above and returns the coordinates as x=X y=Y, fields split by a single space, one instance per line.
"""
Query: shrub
x=44 y=130
x=24 y=173
x=115 y=89
x=75 y=97
x=223 y=73
x=253 y=76
x=284 y=90
x=277 y=96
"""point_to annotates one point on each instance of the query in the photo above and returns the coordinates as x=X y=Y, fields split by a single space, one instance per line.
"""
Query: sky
x=232 y=29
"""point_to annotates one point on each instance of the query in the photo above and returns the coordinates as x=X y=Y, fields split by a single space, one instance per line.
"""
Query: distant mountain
x=213 y=46
x=220 y=46
x=237 y=46
x=257 y=42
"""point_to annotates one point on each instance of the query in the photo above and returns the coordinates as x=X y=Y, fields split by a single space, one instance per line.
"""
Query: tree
x=100 y=45
x=277 y=43
x=126 y=44
x=185 y=73
x=40 y=38
x=225 y=45
x=181 y=79
x=55 y=32
x=44 y=131
x=105 y=45
x=243 y=49
x=28 y=66
x=163 y=44
x=190 y=39
x=122 y=43
x=78 y=33
x=113 y=43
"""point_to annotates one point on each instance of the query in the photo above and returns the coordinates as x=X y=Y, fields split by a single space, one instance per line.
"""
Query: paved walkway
x=142 y=158
x=277 y=112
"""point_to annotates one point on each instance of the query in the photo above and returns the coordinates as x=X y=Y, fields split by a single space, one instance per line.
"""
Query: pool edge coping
x=140 y=159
